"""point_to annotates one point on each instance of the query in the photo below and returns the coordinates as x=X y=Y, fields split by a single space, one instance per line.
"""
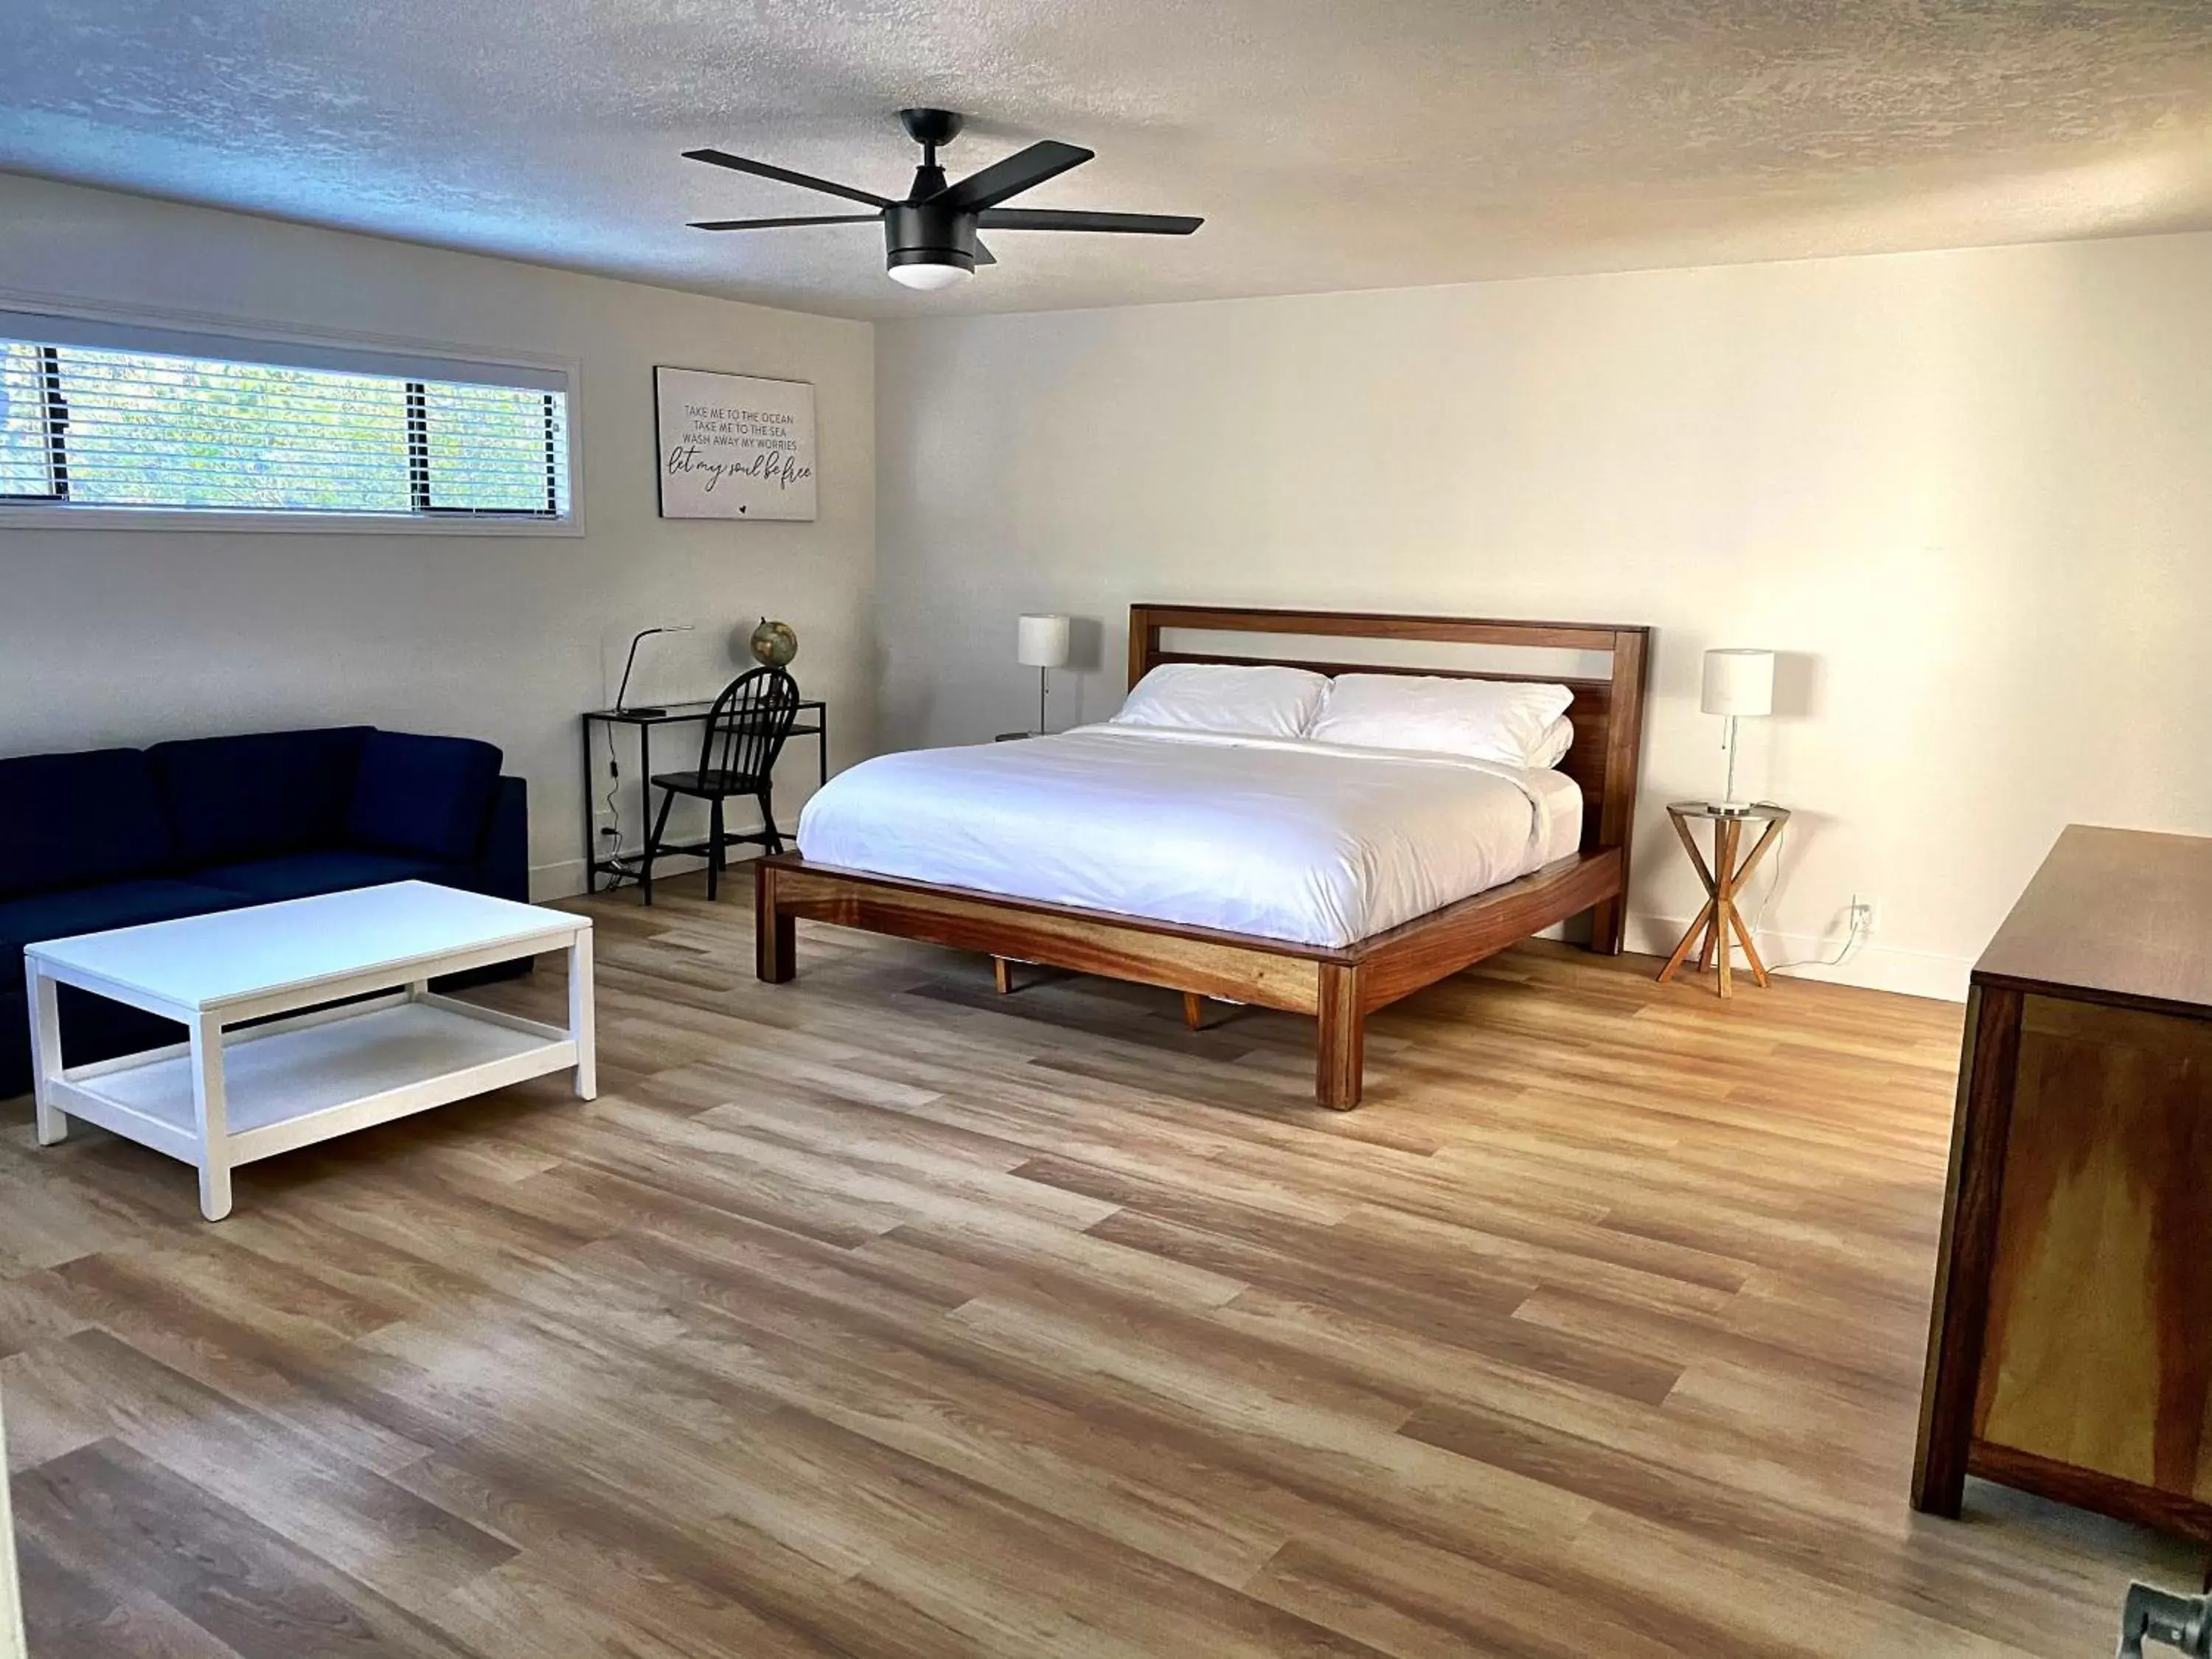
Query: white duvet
x=1286 y=838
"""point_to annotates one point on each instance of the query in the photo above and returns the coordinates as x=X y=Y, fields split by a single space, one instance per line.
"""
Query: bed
x=1289 y=874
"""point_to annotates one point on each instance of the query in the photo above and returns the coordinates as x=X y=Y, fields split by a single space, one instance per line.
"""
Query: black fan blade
x=1023 y=170
x=778 y=224
x=784 y=175
x=983 y=255
x=1145 y=224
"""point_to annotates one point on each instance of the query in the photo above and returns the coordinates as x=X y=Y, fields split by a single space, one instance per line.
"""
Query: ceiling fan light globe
x=929 y=277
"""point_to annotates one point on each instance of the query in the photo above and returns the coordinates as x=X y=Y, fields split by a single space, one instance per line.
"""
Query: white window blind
x=99 y=415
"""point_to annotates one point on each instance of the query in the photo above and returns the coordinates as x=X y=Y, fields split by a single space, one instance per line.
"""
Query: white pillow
x=1508 y=721
x=1558 y=738
x=1243 y=700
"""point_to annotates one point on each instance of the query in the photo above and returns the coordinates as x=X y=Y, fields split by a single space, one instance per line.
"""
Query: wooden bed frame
x=1339 y=986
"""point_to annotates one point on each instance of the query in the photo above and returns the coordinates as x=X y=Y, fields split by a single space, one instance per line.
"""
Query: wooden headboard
x=1607 y=714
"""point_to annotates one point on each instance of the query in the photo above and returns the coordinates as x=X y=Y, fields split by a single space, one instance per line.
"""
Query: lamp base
x=1730 y=809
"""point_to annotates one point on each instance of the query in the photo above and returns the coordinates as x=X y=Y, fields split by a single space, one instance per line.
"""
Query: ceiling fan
x=930 y=237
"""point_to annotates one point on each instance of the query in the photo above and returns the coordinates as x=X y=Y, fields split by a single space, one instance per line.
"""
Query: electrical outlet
x=1862 y=914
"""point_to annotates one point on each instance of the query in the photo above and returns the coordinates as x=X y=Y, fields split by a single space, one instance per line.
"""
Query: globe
x=773 y=643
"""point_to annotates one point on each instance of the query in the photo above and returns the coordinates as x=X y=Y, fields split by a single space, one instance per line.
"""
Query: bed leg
x=776 y=936
x=1002 y=974
x=1343 y=1038
x=1194 y=1010
x=1608 y=926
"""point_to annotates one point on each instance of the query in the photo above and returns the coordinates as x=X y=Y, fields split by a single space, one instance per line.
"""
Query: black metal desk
x=644 y=719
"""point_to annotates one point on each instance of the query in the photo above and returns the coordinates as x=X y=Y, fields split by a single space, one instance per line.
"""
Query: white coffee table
x=226 y=1098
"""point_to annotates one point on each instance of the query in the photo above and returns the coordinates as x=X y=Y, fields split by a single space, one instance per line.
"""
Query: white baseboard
x=1804 y=956
x=564 y=879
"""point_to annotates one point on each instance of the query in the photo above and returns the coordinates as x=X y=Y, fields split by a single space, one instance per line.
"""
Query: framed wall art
x=733 y=446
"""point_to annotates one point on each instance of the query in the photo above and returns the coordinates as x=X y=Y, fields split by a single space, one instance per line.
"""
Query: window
x=98 y=414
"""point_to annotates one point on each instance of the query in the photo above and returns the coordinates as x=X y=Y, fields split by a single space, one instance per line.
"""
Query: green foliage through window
x=86 y=426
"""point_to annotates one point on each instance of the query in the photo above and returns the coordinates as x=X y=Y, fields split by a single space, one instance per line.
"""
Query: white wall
x=1971 y=491
x=128 y=637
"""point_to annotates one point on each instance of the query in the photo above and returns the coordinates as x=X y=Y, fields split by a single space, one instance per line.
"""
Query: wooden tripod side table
x=1724 y=878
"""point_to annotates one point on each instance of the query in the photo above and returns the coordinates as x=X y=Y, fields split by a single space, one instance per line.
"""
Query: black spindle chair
x=745 y=733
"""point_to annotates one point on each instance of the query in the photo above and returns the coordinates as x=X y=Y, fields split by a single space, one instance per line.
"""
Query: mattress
x=1286 y=838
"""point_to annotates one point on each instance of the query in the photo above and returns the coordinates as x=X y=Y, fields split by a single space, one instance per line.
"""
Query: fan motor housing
x=925 y=235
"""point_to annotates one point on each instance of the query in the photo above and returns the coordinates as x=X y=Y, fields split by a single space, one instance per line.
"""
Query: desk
x=644 y=721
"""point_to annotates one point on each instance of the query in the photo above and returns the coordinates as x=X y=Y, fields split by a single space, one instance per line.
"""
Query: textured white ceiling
x=1329 y=145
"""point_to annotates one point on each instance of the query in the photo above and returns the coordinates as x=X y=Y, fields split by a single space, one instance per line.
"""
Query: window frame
x=21 y=314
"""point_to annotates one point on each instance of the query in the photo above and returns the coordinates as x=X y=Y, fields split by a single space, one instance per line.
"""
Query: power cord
x=609 y=847
x=613 y=802
x=1852 y=939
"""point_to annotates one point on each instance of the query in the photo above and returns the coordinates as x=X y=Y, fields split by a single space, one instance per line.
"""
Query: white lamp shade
x=1042 y=642
x=1739 y=682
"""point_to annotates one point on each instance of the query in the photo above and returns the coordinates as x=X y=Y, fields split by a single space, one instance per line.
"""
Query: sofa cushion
x=297 y=875
x=72 y=820
x=232 y=798
x=426 y=796
x=95 y=909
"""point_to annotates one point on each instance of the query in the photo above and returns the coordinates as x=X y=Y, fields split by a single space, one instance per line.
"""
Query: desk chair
x=744 y=733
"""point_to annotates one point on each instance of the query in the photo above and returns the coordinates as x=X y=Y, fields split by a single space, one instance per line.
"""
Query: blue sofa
x=115 y=837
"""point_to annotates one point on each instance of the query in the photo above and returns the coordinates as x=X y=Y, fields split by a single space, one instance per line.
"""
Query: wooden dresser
x=2069 y=1352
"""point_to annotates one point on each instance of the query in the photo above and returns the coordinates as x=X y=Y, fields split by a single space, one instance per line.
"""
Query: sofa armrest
x=503 y=860
x=502 y=870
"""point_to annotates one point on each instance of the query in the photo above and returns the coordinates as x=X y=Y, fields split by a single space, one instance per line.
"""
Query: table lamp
x=1042 y=644
x=1738 y=681
x=643 y=634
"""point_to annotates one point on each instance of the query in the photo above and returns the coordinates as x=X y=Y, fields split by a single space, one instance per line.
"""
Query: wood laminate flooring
x=875 y=1314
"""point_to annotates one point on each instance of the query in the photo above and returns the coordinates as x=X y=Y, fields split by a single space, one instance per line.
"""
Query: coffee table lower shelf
x=296 y=1081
